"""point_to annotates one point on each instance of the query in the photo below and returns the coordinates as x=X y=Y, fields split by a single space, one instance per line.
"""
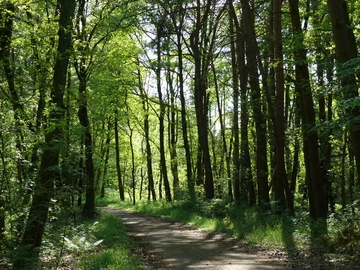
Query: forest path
x=172 y=245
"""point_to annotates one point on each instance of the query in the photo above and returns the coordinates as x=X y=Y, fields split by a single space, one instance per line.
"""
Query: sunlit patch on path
x=181 y=247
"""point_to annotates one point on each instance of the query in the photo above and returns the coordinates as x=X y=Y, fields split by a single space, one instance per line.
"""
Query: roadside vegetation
x=87 y=244
x=298 y=239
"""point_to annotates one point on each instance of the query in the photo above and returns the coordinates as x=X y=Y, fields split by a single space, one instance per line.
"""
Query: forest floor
x=165 y=244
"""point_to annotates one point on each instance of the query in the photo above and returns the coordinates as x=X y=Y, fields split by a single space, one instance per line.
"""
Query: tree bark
x=163 y=167
x=144 y=98
x=200 y=94
x=82 y=71
x=235 y=95
x=310 y=137
x=184 y=128
x=117 y=155
x=44 y=188
x=257 y=107
x=173 y=134
x=280 y=174
x=346 y=50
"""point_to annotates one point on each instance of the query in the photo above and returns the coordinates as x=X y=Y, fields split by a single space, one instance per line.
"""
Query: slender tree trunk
x=117 y=154
x=295 y=164
x=225 y=159
x=151 y=186
x=351 y=179
x=44 y=188
x=173 y=119
x=235 y=120
x=133 y=182
x=342 y=174
x=3 y=181
x=163 y=167
x=106 y=161
x=184 y=128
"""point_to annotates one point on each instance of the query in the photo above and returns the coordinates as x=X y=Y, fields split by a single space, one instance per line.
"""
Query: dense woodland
x=254 y=102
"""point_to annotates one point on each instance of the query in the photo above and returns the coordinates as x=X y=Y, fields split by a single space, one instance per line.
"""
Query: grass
x=89 y=245
x=253 y=225
x=116 y=250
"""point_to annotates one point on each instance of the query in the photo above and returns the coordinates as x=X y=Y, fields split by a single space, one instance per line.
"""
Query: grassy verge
x=338 y=236
x=91 y=244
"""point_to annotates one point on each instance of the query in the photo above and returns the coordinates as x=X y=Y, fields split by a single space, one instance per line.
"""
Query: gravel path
x=172 y=245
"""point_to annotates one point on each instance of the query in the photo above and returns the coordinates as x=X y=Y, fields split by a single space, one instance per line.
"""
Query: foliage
x=339 y=235
x=345 y=235
x=115 y=253
x=87 y=244
x=115 y=47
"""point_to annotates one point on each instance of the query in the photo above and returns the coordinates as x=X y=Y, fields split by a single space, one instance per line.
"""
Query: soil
x=165 y=244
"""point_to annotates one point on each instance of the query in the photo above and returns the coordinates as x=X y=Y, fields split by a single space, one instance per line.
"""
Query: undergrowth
x=339 y=234
x=101 y=243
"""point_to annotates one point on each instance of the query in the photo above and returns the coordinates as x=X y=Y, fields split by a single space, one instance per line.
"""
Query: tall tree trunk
x=133 y=183
x=3 y=181
x=346 y=50
x=173 y=134
x=7 y=12
x=225 y=161
x=89 y=206
x=44 y=188
x=104 y=165
x=163 y=167
x=280 y=174
x=295 y=164
x=151 y=186
x=235 y=120
x=200 y=94
x=303 y=90
x=117 y=154
x=258 y=107
x=82 y=71
x=184 y=128
x=246 y=178
x=343 y=173
x=104 y=181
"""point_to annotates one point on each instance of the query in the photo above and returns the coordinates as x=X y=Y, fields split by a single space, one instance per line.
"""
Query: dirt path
x=176 y=246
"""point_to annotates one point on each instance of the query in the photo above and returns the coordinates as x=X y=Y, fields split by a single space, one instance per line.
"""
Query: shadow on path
x=184 y=248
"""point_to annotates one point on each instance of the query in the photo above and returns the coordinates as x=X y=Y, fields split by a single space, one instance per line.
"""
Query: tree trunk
x=257 y=107
x=189 y=174
x=280 y=174
x=89 y=206
x=200 y=95
x=7 y=12
x=173 y=134
x=151 y=186
x=346 y=50
x=133 y=183
x=44 y=188
x=303 y=90
x=235 y=93
x=163 y=167
x=343 y=174
x=82 y=71
x=104 y=182
x=117 y=154
x=3 y=183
